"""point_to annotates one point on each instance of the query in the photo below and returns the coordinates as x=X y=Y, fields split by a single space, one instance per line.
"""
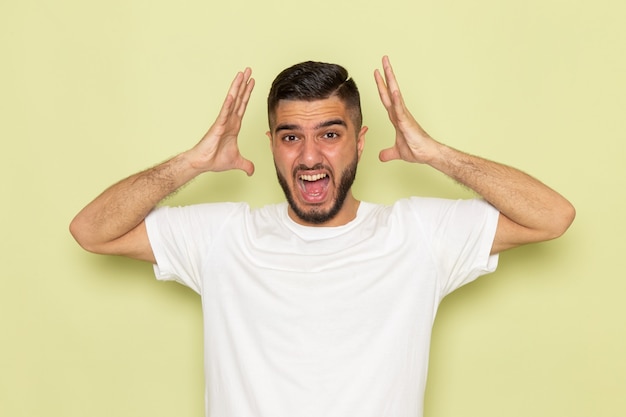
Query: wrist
x=434 y=153
x=183 y=167
x=191 y=162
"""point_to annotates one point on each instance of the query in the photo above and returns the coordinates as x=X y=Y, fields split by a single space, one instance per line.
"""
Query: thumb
x=388 y=154
x=246 y=165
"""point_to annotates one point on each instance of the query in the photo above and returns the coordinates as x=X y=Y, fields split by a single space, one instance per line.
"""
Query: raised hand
x=218 y=150
x=412 y=143
x=114 y=223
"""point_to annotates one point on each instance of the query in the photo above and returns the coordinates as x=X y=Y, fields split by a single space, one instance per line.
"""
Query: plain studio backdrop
x=91 y=92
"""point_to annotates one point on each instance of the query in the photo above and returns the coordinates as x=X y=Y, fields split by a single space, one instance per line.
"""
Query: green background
x=91 y=92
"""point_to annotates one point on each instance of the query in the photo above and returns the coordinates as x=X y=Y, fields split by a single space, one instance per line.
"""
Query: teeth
x=315 y=177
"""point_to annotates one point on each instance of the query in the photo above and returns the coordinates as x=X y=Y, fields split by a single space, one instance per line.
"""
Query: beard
x=315 y=215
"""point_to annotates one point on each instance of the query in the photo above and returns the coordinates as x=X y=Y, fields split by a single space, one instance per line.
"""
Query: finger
x=383 y=91
x=399 y=108
x=239 y=86
x=238 y=93
x=227 y=106
x=390 y=77
x=245 y=165
x=242 y=84
x=235 y=85
x=231 y=96
x=392 y=83
x=246 y=92
x=389 y=154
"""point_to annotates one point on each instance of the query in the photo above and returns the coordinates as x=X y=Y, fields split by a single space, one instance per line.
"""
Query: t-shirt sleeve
x=461 y=233
x=181 y=239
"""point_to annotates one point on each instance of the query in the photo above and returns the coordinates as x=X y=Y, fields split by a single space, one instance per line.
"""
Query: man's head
x=317 y=140
x=309 y=81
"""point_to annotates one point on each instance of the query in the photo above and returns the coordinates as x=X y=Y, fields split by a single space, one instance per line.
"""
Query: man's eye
x=289 y=138
x=331 y=135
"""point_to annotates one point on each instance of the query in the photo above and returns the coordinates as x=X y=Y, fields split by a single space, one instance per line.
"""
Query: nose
x=310 y=153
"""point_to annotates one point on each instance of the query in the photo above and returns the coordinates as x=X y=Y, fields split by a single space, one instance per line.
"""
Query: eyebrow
x=326 y=123
x=331 y=122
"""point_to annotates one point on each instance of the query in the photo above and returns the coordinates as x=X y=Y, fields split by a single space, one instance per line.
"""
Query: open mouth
x=314 y=186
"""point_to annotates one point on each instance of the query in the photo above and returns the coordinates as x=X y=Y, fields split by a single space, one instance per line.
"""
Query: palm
x=411 y=140
x=218 y=149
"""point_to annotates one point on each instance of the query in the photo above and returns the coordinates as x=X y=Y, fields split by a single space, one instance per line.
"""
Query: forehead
x=310 y=113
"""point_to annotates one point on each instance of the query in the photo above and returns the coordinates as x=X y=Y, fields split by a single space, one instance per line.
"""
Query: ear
x=360 y=141
x=269 y=135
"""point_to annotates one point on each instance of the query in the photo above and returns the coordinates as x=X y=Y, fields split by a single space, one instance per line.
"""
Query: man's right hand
x=114 y=223
x=218 y=149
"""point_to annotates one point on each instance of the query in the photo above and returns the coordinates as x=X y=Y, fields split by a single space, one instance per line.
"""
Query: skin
x=114 y=223
x=530 y=211
x=312 y=138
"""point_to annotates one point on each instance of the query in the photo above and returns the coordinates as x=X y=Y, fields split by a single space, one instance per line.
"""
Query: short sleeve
x=181 y=239
x=461 y=234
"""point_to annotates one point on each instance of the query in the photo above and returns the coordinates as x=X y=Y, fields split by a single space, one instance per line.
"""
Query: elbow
x=78 y=230
x=562 y=219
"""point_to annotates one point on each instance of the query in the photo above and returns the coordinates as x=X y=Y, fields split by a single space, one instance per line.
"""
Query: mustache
x=318 y=166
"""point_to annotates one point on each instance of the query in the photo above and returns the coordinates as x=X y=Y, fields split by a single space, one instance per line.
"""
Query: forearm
x=114 y=222
x=123 y=206
x=521 y=198
x=530 y=211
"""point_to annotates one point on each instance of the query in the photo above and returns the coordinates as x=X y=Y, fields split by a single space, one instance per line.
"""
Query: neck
x=346 y=214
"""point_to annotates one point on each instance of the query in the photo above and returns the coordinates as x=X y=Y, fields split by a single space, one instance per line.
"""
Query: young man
x=322 y=305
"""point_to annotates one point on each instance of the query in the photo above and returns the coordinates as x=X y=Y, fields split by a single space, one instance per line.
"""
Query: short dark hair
x=309 y=81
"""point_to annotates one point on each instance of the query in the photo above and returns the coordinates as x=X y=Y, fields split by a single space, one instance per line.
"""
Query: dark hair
x=309 y=81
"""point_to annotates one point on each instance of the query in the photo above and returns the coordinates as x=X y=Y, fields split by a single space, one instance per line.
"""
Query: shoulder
x=434 y=215
x=427 y=206
x=216 y=213
x=204 y=210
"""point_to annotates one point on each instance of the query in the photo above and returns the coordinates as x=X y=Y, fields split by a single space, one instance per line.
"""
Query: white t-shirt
x=321 y=321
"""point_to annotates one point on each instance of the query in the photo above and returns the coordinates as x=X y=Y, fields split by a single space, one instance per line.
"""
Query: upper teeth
x=312 y=177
